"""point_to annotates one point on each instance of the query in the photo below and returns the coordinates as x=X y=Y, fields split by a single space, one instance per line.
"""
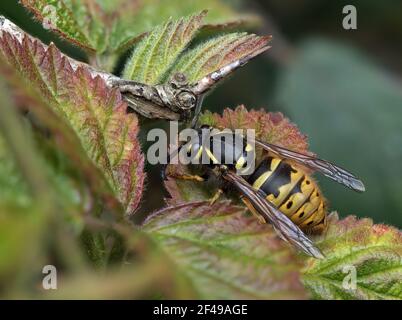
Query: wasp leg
x=192 y=177
x=260 y=218
x=215 y=197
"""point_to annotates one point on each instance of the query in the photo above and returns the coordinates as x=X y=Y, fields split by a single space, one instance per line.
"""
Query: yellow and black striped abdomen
x=291 y=190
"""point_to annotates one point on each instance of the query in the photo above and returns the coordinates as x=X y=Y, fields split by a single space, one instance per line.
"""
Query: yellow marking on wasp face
x=210 y=154
x=262 y=178
x=240 y=162
x=249 y=147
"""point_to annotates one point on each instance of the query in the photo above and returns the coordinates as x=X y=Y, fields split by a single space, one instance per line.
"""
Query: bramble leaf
x=27 y=196
x=225 y=253
x=13 y=189
x=111 y=26
x=158 y=50
x=134 y=18
x=363 y=261
x=81 y=22
x=96 y=114
x=270 y=127
x=161 y=52
x=20 y=234
x=218 y=52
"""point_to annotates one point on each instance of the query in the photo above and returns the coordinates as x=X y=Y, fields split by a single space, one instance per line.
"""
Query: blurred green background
x=341 y=87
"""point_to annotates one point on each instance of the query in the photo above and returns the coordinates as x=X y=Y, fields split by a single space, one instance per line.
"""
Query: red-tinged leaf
x=80 y=22
x=111 y=27
x=225 y=253
x=218 y=52
x=96 y=114
x=363 y=261
x=272 y=127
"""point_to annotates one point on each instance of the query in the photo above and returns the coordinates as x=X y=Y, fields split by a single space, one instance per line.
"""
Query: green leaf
x=161 y=52
x=13 y=189
x=351 y=111
x=20 y=229
x=370 y=251
x=80 y=22
x=27 y=197
x=218 y=52
x=91 y=120
x=21 y=220
x=108 y=27
x=138 y=17
x=157 y=51
x=225 y=253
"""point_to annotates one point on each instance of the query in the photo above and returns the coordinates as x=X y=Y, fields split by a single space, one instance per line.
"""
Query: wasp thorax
x=186 y=99
x=178 y=80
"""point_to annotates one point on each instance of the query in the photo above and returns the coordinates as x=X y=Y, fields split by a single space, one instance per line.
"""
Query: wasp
x=279 y=191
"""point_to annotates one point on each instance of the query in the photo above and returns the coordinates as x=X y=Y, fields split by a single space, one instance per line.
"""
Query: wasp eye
x=186 y=100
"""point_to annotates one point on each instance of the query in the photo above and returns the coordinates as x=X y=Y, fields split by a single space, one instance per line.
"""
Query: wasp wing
x=285 y=228
x=327 y=168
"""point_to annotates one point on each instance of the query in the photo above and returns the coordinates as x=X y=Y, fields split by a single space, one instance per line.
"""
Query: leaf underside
x=225 y=253
x=157 y=51
x=217 y=52
x=161 y=53
x=357 y=246
x=96 y=114
x=107 y=27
